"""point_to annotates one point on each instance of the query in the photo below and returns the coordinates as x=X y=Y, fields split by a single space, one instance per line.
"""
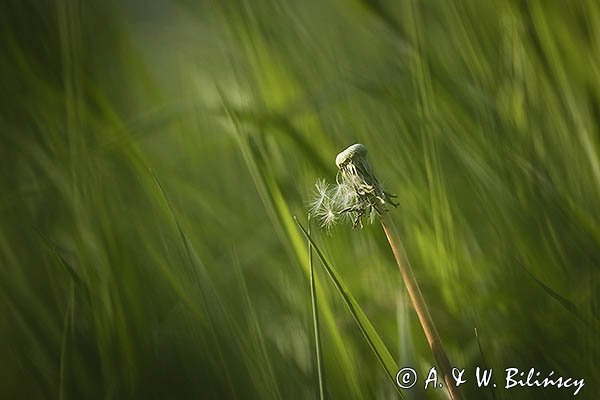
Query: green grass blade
x=315 y=316
x=568 y=305
x=64 y=345
x=282 y=220
x=263 y=376
x=372 y=337
x=484 y=360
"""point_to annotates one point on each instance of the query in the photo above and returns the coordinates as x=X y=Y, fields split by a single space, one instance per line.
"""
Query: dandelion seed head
x=368 y=196
x=357 y=193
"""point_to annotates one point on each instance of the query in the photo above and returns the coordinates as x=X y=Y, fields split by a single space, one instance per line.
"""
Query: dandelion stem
x=414 y=292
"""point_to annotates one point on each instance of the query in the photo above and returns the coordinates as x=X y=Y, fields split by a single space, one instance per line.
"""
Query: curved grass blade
x=372 y=337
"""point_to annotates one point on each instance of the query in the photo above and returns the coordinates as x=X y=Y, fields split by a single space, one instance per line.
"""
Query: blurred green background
x=153 y=153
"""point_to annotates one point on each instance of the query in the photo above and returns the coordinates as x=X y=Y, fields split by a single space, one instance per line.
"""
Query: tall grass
x=484 y=117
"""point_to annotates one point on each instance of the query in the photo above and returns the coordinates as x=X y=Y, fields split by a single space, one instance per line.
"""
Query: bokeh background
x=154 y=153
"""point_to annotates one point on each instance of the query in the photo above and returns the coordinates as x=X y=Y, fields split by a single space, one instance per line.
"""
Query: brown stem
x=433 y=338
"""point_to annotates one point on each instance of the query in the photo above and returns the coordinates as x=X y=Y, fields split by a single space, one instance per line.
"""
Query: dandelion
x=358 y=194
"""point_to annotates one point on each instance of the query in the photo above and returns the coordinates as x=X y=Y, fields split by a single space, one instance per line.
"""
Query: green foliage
x=367 y=329
x=193 y=281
